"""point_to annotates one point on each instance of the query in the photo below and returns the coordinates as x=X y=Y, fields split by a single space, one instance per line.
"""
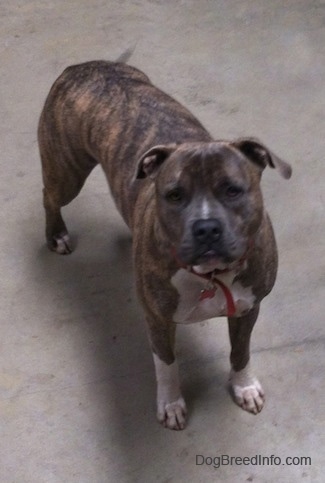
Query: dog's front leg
x=247 y=390
x=171 y=407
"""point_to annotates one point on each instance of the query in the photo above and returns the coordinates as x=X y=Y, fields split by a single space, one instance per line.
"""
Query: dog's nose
x=208 y=230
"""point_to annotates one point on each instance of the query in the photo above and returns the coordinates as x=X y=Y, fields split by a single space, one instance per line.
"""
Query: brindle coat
x=147 y=143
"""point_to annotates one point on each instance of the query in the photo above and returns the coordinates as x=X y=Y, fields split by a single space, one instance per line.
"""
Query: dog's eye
x=233 y=191
x=175 y=196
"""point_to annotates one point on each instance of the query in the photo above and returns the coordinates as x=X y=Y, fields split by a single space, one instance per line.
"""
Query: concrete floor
x=77 y=390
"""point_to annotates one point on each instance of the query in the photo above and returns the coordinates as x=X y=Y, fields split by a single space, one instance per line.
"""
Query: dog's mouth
x=206 y=261
x=208 y=255
x=211 y=260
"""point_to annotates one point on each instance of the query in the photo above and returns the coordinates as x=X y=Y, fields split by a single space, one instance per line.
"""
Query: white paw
x=247 y=391
x=61 y=244
x=172 y=415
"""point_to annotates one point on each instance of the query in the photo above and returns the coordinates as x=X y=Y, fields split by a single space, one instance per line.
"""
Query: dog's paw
x=172 y=415
x=247 y=391
x=60 y=244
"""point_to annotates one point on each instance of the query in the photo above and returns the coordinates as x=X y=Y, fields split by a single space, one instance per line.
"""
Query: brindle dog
x=203 y=244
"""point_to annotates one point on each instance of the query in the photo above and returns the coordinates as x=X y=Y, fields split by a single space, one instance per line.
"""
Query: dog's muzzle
x=207 y=239
x=209 y=242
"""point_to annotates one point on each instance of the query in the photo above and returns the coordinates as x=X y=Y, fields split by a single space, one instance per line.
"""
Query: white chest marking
x=191 y=309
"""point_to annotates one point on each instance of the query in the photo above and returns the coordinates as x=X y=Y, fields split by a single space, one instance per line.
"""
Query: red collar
x=210 y=291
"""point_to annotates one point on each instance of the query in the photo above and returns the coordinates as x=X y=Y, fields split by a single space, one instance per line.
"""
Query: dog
x=203 y=244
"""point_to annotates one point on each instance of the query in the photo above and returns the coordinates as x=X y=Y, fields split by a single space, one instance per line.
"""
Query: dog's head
x=209 y=199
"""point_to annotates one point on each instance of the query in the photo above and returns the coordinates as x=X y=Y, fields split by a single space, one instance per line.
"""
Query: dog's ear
x=254 y=150
x=151 y=160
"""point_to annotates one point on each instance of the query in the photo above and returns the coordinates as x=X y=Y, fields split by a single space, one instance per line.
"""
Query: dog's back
x=109 y=113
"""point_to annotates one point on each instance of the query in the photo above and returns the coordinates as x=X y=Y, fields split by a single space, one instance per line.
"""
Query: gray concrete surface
x=76 y=377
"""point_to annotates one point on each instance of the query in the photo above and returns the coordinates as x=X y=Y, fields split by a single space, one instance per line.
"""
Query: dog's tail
x=126 y=55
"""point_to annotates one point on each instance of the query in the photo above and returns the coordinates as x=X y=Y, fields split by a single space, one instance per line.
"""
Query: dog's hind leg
x=63 y=177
